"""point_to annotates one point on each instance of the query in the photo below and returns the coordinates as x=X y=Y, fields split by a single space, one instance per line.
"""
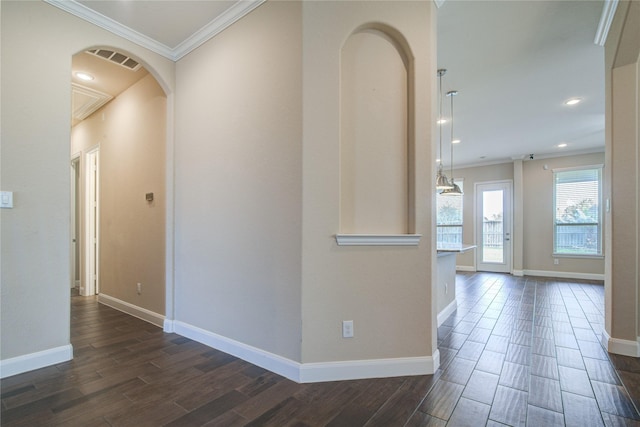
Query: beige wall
x=386 y=291
x=239 y=182
x=536 y=214
x=130 y=131
x=38 y=41
x=258 y=192
x=622 y=170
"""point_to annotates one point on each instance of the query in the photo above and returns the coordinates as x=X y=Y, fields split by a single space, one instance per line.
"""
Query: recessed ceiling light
x=84 y=76
x=564 y=144
x=572 y=101
x=441 y=121
x=438 y=160
x=455 y=141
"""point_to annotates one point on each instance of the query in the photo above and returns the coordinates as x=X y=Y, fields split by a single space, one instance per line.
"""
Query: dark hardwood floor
x=518 y=351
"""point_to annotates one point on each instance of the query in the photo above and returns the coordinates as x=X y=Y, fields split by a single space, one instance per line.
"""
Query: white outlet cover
x=6 y=199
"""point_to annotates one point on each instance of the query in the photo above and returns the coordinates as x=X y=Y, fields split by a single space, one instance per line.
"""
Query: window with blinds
x=449 y=218
x=577 y=194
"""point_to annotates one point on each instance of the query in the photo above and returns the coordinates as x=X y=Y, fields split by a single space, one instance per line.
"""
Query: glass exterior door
x=493 y=227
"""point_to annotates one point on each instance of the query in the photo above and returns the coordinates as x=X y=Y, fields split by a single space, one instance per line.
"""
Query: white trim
x=518 y=273
x=133 y=310
x=622 y=347
x=439 y=3
x=231 y=15
x=312 y=372
x=375 y=368
x=37 y=360
x=274 y=363
x=564 y=274
x=378 y=239
x=608 y=12
x=447 y=311
x=215 y=27
x=168 y=326
x=111 y=25
x=466 y=268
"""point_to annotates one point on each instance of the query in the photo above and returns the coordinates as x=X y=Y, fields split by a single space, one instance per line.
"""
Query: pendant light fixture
x=455 y=189
x=442 y=183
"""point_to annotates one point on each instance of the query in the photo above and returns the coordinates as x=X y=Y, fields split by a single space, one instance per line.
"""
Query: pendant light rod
x=455 y=189
x=451 y=94
x=442 y=183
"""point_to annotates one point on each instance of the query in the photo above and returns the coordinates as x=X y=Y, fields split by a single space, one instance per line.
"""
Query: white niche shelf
x=378 y=239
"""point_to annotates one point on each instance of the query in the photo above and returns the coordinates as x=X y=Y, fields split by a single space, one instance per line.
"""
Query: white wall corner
x=447 y=311
x=439 y=3
x=29 y=362
x=622 y=347
x=168 y=326
x=133 y=310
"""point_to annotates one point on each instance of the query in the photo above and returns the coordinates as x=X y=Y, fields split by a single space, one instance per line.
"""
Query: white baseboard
x=447 y=311
x=465 y=268
x=274 y=363
x=518 y=273
x=311 y=372
x=564 y=274
x=29 y=362
x=622 y=347
x=133 y=310
x=168 y=326
x=376 y=368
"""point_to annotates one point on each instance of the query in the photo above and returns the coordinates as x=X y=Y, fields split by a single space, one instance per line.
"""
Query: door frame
x=92 y=223
x=75 y=165
x=477 y=230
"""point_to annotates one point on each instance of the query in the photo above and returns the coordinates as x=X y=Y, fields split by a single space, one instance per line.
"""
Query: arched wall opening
x=129 y=129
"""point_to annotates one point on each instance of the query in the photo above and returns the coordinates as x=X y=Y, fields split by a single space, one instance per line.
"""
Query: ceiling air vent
x=116 y=58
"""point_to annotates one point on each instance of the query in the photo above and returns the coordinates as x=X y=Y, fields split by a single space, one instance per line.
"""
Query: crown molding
x=524 y=158
x=608 y=12
x=111 y=25
x=213 y=28
x=231 y=15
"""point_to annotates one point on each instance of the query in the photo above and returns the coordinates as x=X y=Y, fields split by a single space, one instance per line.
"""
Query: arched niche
x=376 y=128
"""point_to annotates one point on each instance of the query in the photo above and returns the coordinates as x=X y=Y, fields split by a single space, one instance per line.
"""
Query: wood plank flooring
x=518 y=351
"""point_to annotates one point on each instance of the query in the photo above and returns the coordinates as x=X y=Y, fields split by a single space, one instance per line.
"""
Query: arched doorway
x=119 y=117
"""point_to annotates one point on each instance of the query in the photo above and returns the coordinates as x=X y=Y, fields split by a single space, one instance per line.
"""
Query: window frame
x=599 y=224
x=460 y=182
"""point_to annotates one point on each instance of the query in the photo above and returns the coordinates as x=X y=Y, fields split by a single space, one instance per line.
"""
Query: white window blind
x=577 y=206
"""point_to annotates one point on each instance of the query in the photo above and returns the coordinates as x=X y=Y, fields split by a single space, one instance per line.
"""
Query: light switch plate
x=6 y=199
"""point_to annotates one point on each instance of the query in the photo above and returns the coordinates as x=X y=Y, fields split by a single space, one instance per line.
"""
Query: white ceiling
x=513 y=63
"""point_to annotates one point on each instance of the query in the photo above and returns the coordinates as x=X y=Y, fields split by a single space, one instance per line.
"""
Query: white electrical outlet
x=139 y=288
x=556 y=261
x=347 y=329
